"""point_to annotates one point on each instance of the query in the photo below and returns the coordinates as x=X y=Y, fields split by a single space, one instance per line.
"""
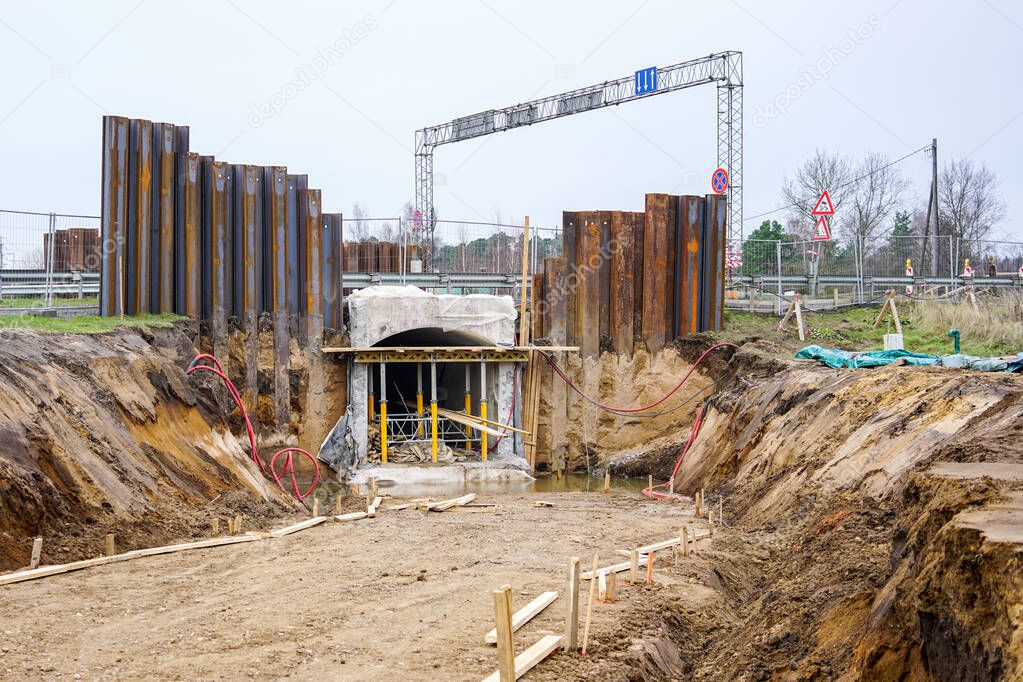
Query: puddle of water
x=570 y=483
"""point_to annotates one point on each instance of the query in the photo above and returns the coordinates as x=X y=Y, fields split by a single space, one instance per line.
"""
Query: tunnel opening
x=403 y=392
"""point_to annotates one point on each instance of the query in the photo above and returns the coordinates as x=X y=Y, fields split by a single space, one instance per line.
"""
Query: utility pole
x=934 y=203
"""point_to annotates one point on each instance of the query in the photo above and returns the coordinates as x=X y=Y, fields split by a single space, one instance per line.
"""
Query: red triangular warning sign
x=824 y=205
x=821 y=232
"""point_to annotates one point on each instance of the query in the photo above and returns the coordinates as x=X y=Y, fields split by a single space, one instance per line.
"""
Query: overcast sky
x=913 y=70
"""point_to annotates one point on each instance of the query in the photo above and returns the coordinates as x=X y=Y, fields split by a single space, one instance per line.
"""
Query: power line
x=845 y=184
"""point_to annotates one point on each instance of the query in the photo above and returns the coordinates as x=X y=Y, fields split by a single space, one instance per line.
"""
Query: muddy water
x=570 y=483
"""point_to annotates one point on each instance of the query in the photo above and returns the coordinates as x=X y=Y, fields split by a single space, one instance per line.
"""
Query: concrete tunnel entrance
x=440 y=347
x=408 y=391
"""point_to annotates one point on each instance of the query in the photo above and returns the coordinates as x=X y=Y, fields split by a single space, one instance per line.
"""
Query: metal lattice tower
x=723 y=68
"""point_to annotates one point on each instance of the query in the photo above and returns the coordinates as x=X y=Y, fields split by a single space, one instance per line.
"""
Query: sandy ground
x=404 y=596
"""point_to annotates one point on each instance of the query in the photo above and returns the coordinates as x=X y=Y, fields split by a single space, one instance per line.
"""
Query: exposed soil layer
x=107 y=434
x=873 y=529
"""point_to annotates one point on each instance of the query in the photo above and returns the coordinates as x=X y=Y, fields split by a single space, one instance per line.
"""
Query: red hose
x=289 y=464
x=693 y=432
x=631 y=410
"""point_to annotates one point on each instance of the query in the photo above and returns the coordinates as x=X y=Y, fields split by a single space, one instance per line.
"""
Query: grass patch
x=996 y=330
x=36 y=302
x=86 y=325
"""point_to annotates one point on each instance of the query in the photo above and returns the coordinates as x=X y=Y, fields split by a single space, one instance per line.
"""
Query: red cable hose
x=631 y=410
x=289 y=464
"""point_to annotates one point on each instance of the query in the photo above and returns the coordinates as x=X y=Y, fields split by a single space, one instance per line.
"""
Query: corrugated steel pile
x=630 y=276
x=185 y=233
x=377 y=256
x=76 y=248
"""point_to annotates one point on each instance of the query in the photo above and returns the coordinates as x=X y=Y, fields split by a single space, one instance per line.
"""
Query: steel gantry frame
x=723 y=68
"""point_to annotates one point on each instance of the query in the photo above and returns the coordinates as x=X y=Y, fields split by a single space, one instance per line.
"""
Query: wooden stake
x=238 y=524
x=589 y=606
x=607 y=481
x=799 y=317
x=523 y=327
x=337 y=505
x=372 y=488
x=612 y=587
x=37 y=551
x=109 y=545
x=696 y=503
x=602 y=588
x=650 y=568
x=650 y=482
x=634 y=567
x=215 y=526
x=572 y=615
x=505 y=649
x=683 y=540
x=316 y=507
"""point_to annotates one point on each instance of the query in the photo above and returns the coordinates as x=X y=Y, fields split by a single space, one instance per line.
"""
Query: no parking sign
x=719 y=181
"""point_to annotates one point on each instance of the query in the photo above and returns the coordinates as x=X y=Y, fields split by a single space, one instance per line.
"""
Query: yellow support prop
x=468 y=411
x=419 y=413
x=483 y=434
x=433 y=431
x=383 y=432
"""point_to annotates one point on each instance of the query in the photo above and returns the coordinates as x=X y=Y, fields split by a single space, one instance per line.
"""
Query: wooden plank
x=474 y=422
x=371 y=510
x=647 y=549
x=443 y=505
x=622 y=288
x=531 y=657
x=294 y=528
x=100 y=561
x=655 y=270
x=353 y=516
x=525 y=614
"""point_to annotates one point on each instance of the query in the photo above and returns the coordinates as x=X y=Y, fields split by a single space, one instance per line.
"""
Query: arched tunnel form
x=425 y=324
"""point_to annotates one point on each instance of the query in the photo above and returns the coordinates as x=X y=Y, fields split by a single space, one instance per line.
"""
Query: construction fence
x=861 y=269
x=49 y=260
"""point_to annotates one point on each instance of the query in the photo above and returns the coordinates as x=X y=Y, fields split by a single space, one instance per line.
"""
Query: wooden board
x=353 y=516
x=529 y=658
x=443 y=505
x=647 y=549
x=622 y=287
x=45 y=571
x=467 y=420
x=294 y=528
x=525 y=614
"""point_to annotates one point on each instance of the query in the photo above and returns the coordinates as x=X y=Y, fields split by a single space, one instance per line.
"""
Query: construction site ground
x=406 y=595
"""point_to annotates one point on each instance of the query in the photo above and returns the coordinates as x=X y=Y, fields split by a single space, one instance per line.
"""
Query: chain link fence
x=48 y=260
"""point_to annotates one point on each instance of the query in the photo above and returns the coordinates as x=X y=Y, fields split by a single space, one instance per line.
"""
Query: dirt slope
x=105 y=433
x=877 y=526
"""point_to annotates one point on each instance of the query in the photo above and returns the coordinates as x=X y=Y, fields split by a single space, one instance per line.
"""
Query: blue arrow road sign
x=646 y=80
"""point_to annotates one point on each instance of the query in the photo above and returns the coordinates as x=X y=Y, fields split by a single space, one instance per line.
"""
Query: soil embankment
x=875 y=530
x=106 y=434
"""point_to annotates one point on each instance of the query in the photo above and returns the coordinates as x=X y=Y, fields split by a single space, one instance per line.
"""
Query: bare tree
x=969 y=205
x=874 y=196
x=822 y=171
x=357 y=227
